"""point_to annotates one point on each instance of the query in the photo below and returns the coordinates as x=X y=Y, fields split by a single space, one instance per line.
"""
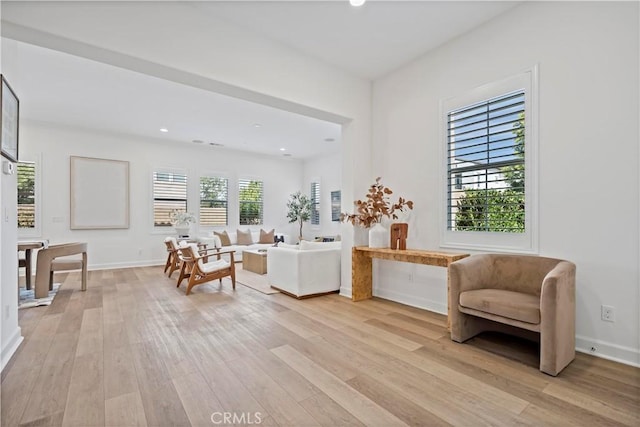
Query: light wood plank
x=124 y=411
x=589 y=403
x=364 y=409
x=85 y=401
x=197 y=398
x=279 y=404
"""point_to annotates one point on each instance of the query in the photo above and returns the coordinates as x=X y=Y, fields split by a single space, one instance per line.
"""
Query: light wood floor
x=133 y=350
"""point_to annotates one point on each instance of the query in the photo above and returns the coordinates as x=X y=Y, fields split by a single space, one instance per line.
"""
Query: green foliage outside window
x=497 y=210
x=250 y=197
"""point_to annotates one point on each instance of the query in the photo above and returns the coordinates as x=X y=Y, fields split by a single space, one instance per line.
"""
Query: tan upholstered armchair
x=516 y=294
x=56 y=258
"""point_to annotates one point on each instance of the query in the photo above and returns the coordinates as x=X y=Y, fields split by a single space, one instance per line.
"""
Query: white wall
x=10 y=335
x=140 y=244
x=588 y=151
x=327 y=171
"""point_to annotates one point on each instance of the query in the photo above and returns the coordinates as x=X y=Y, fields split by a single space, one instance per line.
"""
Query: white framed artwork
x=99 y=193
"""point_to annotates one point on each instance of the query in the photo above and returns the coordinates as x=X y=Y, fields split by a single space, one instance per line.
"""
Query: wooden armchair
x=173 y=260
x=48 y=261
x=198 y=269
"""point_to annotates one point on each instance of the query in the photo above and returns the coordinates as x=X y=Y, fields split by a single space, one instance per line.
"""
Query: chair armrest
x=558 y=287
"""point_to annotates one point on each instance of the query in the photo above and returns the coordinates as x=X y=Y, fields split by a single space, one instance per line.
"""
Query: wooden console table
x=361 y=265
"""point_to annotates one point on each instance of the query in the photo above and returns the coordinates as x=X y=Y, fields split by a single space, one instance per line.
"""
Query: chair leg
x=84 y=271
x=191 y=283
x=168 y=263
x=183 y=274
x=51 y=280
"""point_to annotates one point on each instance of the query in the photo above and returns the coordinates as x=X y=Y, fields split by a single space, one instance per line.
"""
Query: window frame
x=249 y=179
x=36 y=231
x=218 y=176
x=172 y=171
x=526 y=242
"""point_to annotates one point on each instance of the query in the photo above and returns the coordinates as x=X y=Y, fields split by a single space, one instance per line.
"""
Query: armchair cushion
x=513 y=305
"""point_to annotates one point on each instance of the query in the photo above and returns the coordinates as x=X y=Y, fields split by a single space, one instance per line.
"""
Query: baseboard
x=10 y=348
x=411 y=300
x=345 y=292
x=116 y=265
x=609 y=351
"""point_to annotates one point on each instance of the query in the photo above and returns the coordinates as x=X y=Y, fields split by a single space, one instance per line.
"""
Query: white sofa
x=305 y=270
x=213 y=241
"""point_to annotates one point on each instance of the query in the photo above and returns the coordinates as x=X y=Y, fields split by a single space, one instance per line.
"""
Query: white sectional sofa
x=214 y=242
x=305 y=270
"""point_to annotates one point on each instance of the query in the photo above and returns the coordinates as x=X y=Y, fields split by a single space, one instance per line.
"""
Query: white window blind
x=26 y=174
x=250 y=196
x=169 y=194
x=214 y=192
x=315 y=203
x=486 y=165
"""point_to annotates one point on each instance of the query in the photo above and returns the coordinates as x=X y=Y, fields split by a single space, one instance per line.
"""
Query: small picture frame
x=9 y=120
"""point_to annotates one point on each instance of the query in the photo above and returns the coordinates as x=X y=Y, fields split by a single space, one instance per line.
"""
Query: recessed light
x=329 y=139
x=197 y=141
x=357 y=2
x=257 y=125
x=283 y=149
x=164 y=130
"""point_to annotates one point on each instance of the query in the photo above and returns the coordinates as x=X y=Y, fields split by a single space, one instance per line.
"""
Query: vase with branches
x=375 y=206
x=299 y=209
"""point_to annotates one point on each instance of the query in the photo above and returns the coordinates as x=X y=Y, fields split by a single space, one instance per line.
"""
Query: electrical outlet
x=607 y=313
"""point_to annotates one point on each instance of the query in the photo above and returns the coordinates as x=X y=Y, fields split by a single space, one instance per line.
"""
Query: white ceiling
x=369 y=42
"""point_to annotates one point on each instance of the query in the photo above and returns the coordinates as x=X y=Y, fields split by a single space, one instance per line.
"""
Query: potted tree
x=299 y=210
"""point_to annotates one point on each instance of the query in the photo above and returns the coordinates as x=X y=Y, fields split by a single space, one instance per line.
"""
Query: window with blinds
x=26 y=174
x=486 y=165
x=315 y=203
x=250 y=197
x=169 y=194
x=214 y=193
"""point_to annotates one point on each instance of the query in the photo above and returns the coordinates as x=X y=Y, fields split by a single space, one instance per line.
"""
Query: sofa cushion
x=266 y=237
x=244 y=237
x=309 y=246
x=509 y=304
x=224 y=238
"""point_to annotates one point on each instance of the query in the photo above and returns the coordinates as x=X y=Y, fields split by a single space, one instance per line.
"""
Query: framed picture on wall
x=9 y=117
x=99 y=193
x=335 y=205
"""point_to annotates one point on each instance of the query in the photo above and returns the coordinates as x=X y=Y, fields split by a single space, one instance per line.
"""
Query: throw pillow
x=244 y=237
x=224 y=238
x=266 y=237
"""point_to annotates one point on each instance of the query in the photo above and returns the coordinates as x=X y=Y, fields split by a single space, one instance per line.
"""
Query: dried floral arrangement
x=376 y=206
